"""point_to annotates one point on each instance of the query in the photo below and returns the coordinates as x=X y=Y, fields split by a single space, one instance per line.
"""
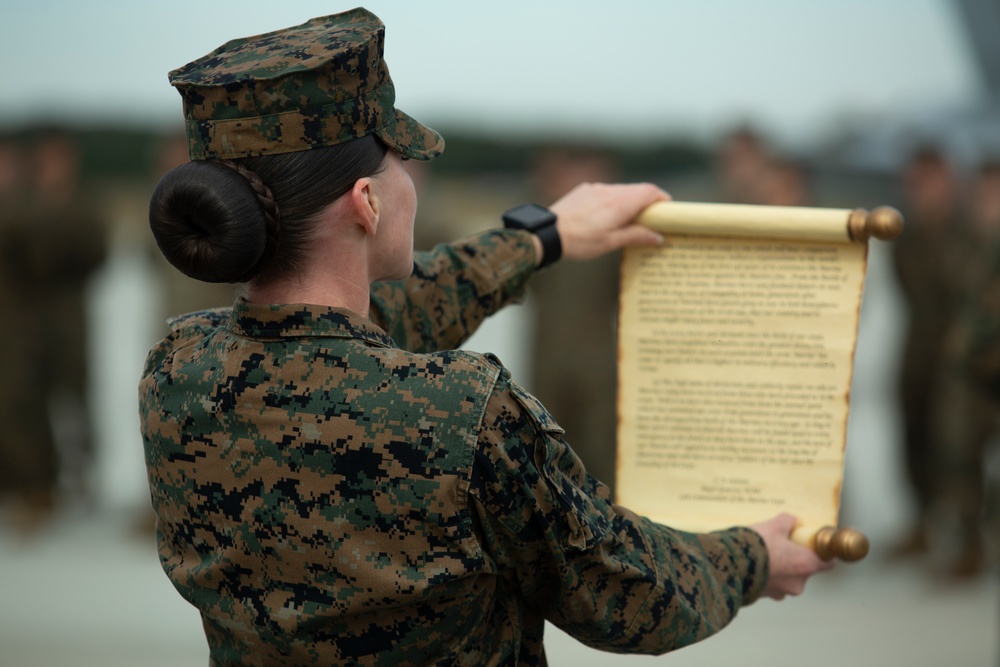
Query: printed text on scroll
x=735 y=364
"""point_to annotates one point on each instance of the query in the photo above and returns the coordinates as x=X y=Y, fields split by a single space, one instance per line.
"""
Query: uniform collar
x=302 y=320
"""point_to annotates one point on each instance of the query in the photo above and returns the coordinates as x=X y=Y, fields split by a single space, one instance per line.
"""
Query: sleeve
x=612 y=579
x=452 y=289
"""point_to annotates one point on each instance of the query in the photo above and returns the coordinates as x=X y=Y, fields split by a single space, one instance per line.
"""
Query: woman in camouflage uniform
x=334 y=482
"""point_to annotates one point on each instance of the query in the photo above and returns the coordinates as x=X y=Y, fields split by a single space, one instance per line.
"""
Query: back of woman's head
x=252 y=218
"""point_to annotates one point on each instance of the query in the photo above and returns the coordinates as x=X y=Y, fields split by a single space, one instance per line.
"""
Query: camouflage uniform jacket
x=325 y=496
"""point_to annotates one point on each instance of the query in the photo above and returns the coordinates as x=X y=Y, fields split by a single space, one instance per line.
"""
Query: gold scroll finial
x=884 y=223
x=847 y=544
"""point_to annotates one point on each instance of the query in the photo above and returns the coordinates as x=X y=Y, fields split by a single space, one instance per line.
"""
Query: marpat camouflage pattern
x=324 y=496
x=320 y=83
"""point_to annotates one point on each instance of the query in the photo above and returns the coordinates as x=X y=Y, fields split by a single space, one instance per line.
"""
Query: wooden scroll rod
x=797 y=222
x=884 y=223
x=846 y=544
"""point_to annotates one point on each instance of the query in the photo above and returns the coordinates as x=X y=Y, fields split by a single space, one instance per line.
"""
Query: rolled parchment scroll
x=736 y=350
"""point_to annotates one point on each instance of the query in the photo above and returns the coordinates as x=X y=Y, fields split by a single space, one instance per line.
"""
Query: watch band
x=541 y=222
x=551 y=244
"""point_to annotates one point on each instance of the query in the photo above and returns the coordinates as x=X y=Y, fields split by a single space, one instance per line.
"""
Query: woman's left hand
x=596 y=218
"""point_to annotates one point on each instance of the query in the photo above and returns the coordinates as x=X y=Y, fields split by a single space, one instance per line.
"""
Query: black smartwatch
x=541 y=222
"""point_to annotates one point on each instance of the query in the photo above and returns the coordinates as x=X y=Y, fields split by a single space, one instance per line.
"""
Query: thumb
x=636 y=235
x=785 y=523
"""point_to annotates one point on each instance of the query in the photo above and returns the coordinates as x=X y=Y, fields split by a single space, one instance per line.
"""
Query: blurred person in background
x=18 y=466
x=575 y=312
x=75 y=247
x=928 y=262
x=786 y=182
x=11 y=171
x=970 y=394
x=334 y=482
x=53 y=243
x=742 y=163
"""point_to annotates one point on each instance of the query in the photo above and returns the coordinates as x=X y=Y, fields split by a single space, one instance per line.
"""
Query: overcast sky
x=634 y=68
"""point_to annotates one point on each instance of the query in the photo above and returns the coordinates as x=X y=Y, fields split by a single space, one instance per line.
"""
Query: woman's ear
x=365 y=205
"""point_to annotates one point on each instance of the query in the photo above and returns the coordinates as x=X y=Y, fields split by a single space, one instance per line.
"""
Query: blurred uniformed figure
x=575 y=313
x=786 y=182
x=15 y=454
x=968 y=408
x=53 y=242
x=10 y=171
x=926 y=259
x=742 y=164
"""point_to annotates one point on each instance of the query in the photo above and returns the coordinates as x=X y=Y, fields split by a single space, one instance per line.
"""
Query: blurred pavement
x=89 y=592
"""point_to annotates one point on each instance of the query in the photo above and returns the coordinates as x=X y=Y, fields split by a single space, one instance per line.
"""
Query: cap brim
x=411 y=139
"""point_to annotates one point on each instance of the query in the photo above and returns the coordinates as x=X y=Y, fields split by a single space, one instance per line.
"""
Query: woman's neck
x=337 y=269
x=336 y=291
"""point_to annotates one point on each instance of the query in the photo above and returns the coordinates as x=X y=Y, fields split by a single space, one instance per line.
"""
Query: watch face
x=528 y=216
